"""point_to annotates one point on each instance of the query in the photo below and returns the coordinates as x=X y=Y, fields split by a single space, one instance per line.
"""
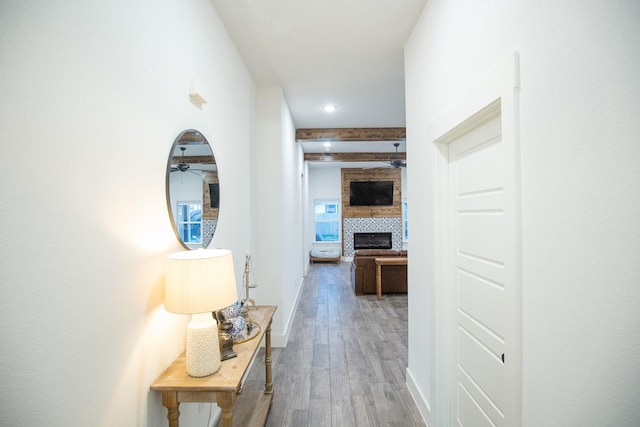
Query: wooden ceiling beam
x=352 y=134
x=354 y=157
x=207 y=160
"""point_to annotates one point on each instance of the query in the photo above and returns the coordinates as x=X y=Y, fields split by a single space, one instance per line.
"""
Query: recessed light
x=329 y=108
x=327 y=144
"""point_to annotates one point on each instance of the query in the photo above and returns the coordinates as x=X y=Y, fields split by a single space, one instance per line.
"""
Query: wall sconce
x=200 y=282
x=196 y=91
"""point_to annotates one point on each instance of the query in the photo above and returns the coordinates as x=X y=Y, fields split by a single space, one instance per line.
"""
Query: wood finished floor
x=345 y=362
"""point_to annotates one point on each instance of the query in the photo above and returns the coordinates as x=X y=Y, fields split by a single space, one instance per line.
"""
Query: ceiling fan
x=397 y=163
x=197 y=164
x=182 y=166
x=392 y=163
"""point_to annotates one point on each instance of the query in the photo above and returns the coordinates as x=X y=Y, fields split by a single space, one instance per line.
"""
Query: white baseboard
x=281 y=340
x=418 y=398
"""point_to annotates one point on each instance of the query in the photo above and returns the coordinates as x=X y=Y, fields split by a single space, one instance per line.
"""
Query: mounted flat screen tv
x=371 y=193
x=214 y=193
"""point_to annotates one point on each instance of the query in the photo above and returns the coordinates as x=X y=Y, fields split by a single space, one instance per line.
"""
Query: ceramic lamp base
x=203 y=348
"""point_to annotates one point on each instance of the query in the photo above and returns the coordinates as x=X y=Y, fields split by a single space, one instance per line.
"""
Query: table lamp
x=199 y=282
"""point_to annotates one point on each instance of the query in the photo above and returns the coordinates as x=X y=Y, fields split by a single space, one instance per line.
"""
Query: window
x=190 y=221
x=327 y=220
x=405 y=222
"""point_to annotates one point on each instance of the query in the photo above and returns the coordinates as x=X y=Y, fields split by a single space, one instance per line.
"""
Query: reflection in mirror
x=193 y=191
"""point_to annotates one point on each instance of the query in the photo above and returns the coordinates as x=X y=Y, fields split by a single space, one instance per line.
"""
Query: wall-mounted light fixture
x=196 y=91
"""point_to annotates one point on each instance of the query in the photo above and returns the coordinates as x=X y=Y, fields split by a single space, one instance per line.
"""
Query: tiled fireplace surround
x=368 y=225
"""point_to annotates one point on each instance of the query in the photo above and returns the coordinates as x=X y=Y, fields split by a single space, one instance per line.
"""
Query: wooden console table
x=248 y=408
x=380 y=261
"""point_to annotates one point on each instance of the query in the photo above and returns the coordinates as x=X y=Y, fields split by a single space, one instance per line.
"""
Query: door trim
x=495 y=93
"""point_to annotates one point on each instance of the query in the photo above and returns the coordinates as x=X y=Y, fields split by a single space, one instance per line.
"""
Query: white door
x=482 y=239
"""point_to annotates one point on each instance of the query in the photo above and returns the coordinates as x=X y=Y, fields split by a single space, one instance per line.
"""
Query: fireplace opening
x=372 y=241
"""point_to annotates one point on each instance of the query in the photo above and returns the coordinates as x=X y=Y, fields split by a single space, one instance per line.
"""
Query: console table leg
x=225 y=402
x=170 y=401
x=268 y=384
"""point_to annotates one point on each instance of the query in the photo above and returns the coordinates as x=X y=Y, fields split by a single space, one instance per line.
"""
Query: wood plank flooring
x=345 y=362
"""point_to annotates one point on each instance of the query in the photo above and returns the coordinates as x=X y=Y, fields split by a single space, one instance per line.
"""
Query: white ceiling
x=343 y=52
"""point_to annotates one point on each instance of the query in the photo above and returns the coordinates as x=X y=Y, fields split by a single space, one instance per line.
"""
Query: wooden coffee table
x=381 y=261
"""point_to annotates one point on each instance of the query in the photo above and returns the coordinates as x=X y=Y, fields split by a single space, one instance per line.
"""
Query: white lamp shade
x=200 y=281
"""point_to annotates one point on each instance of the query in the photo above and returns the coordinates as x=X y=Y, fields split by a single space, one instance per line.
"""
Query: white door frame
x=496 y=92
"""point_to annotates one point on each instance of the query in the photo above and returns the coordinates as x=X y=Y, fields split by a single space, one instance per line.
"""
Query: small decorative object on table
x=247 y=301
x=224 y=335
x=234 y=324
x=234 y=327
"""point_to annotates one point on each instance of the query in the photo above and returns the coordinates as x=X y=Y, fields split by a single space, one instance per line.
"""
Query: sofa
x=363 y=272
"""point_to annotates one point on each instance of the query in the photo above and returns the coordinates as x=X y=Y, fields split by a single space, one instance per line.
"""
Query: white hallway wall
x=93 y=95
x=580 y=169
x=277 y=217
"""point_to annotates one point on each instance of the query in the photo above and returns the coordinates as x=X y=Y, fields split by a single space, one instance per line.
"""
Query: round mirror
x=193 y=189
